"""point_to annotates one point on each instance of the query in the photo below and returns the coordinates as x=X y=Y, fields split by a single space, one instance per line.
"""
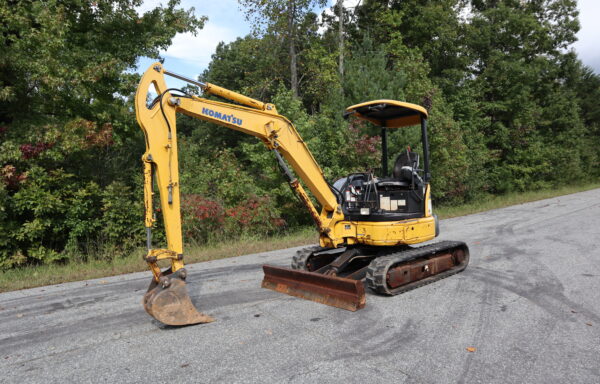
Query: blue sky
x=189 y=55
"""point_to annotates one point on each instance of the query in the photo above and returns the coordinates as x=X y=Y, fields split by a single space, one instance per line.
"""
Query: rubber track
x=376 y=277
x=301 y=257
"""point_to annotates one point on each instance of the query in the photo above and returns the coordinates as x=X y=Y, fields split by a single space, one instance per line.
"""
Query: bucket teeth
x=330 y=290
x=172 y=305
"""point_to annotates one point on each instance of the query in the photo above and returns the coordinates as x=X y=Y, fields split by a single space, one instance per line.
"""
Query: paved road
x=529 y=303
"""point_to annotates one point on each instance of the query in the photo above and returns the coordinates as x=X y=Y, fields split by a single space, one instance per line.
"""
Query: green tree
x=517 y=51
x=282 y=18
x=68 y=134
x=434 y=28
x=236 y=66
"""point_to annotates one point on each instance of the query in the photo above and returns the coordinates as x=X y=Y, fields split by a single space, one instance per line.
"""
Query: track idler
x=168 y=301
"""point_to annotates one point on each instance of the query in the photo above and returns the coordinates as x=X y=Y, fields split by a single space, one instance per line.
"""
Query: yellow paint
x=428 y=206
x=387 y=233
x=399 y=122
x=276 y=132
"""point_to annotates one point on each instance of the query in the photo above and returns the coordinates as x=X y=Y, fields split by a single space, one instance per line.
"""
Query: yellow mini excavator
x=366 y=224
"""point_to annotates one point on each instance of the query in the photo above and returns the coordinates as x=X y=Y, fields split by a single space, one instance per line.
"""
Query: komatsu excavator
x=366 y=223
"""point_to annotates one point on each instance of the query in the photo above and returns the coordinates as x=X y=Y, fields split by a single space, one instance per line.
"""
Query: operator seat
x=406 y=165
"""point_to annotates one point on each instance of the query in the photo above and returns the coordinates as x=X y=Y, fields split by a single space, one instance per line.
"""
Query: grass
x=35 y=276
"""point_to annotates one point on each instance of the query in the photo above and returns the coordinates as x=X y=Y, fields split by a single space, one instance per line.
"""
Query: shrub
x=202 y=218
x=255 y=215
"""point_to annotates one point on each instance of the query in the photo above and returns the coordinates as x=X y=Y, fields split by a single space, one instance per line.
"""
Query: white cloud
x=149 y=5
x=348 y=4
x=589 y=34
x=199 y=49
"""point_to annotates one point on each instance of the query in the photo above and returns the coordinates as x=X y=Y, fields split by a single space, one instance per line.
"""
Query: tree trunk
x=341 y=37
x=292 y=42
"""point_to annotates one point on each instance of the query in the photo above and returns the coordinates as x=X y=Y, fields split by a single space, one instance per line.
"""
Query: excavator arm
x=167 y=299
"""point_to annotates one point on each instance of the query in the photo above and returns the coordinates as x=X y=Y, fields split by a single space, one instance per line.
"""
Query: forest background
x=511 y=106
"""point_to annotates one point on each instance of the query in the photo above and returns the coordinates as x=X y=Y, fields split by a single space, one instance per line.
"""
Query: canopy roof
x=388 y=113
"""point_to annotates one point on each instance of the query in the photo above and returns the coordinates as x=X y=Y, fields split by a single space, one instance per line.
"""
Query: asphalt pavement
x=526 y=310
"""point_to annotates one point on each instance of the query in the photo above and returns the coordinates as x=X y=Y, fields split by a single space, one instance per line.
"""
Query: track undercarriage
x=334 y=276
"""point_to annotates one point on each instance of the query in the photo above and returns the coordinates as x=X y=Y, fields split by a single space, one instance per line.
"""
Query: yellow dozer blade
x=168 y=301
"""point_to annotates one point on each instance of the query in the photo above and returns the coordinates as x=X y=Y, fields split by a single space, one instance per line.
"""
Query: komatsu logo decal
x=221 y=116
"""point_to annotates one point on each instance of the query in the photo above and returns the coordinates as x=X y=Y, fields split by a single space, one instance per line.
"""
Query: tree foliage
x=69 y=144
x=287 y=20
x=511 y=108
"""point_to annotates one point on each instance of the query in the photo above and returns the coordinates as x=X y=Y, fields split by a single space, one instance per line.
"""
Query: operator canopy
x=388 y=113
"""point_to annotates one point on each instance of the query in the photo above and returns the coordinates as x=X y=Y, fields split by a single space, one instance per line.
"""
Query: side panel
x=386 y=233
